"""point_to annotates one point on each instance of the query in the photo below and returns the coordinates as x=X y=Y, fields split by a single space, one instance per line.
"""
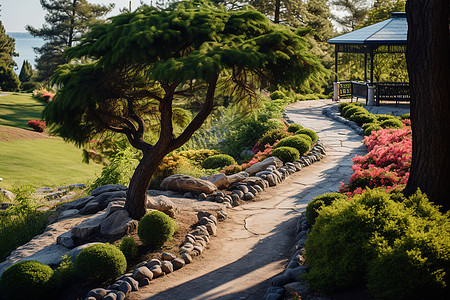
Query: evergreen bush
x=155 y=228
x=100 y=263
x=309 y=132
x=28 y=279
x=128 y=247
x=370 y=128
x=321 y=201
x=271 y=136
x=286 y=154
x=391 y=123
x=294 y=127
x=406 y=116
x=353 y=109
x=306 y=137
x=197 y=156
x=301 y=144
x=383 y=117
x=218 y=161
x=64 y=274
x=363 y=118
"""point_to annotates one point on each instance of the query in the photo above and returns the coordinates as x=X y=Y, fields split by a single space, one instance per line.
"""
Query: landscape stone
x=239 y=193
x=142 y=272
x=90 y=208
x=120 y=295
x=125 y=287
x=153 y=262
x=186 y=257
x=274 y=296
x=167 y=267
x=144 y=281
x=298 y=287
x=185 y=183
x=68 y=213
x=220 y=180
x=110 y=296
x=205 y=220
x=249 y=196
x=108 y=188
x=156 y=270
x=77 y=204
x=296 y=272
x=201 y=197
x=162 y=203
x=114 y=206
x=281 y=280
x=88 y=228
x=212 y=229
x=235 y=199
x=178 y=263
x=97 y=293
x=270 y=161
x=242 y=188
x=241 y=176
x=105 y=198
x=134 y=284
x=222 y=215
x=118 y=223
x=65 y=240
x=252 y=190
x=168 y=256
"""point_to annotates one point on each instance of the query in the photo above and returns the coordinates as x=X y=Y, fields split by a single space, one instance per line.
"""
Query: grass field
x=36 y=162
x=17 y=109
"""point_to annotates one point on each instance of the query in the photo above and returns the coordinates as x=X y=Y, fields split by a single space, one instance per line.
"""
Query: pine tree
x=7 y=48
x=382 y=10
x=26 y=72
x=8 y=79
x=355 y=12
x=144 y=61
x=66 y=21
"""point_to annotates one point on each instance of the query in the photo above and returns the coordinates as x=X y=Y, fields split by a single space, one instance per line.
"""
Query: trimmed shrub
x=155 y=228
x=350 y=106
x=305 y=136
x=128 y=247
x=294 y=127
x=28 y=279
x=37 y=125
x=349 y=112
x=218 y=161
x=364 y=126
x=391 y=123
x=343 y=105
x=271 y=136
x=197 y=156
x=100 y=263
x=385 y=117
x=309 y=132
x=286 y=154
x=302 y=145
x=320 y=201
x=64 y=274
x=369 y=129
x=233 y=169
x=362 y=118
x=277 y=95
x=405 y=116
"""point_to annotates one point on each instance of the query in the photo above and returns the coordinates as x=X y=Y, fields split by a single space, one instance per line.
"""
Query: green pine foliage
x=26 y=72
x=8 y=79
x=7 y=49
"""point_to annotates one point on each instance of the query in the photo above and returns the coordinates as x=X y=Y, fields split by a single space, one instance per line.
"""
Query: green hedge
x=286 y=154
x=218 y=161
x=302 y=145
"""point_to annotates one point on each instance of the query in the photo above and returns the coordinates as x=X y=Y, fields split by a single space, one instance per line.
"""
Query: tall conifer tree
x=26 y=72
x=66 y=21
x=7 y=48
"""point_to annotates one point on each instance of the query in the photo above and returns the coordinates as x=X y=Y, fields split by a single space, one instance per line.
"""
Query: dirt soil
x=8 y=134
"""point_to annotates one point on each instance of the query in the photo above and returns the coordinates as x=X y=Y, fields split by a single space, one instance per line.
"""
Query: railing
x=392 y=91
x=352 y=89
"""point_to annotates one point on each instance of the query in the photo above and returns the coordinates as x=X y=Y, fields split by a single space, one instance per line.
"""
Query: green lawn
x=17 y=109
x=44 y=162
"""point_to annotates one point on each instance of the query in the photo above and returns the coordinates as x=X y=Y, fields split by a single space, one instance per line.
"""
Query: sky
x=16 y=14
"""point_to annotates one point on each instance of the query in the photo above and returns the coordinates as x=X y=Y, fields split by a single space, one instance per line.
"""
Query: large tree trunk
x=277 y=11
x=428 y=60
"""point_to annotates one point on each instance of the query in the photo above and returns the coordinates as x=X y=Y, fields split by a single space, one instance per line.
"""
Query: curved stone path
x=253 y=244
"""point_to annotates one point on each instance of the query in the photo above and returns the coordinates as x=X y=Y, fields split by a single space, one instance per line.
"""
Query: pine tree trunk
x=277 y=11
x=428 y=61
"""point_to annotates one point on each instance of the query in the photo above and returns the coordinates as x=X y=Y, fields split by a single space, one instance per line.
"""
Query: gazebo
x=388 y=36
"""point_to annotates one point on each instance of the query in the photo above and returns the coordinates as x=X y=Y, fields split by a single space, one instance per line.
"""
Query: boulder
x=114 y=206
x=125 y=287
x=220 y=180
x=90 y=208
x=168 y=256
x=68 y=213
x=108 y=188
x=162 y=203
x=89 y=227
x=141 y=273
x=153 y=262
x=97 y=293
x=65 y=240
x=178 y=263
x=7 y=194
x=186 y=183
x=156 y=270
x=186 y=257
x=241 y=176
x=118 y=223
x=105 y=198
x=167 y=267
x=77 y=204
x=260 y=166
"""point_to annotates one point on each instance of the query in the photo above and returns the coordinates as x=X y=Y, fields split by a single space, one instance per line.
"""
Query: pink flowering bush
x=387 y=164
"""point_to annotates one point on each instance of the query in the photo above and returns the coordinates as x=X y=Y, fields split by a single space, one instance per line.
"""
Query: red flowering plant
x=387 y=164
x=37 y=125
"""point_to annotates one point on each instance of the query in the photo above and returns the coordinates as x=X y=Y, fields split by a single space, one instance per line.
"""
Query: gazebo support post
x=371 y=87
x=336 y=83
x=365 y=66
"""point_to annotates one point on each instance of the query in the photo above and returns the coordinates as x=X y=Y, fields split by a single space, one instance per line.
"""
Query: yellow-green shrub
x=155 y=228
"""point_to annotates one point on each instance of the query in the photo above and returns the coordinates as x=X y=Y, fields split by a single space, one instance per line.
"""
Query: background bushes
x=218 y=161
x=286 y=154
x=271 y=136
x=319 y=202
x=309 y=132
x=155 y=228
x=302 y=145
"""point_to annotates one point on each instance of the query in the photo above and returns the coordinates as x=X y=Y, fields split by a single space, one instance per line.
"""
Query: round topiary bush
x=392 y=123
x=405 y=116
x=128 y=247
x=366 y=125
x=349 y=106
x=294 y=127
x=306 y=137
x=286 y=154
x=373 y=127
x=349 y=112
x=383 y=117
x=271 y=136
x=296 y=142
x=155 y=228
x=218 y=161
x=319 y=202
x=100 y=263
x=309 y=132
x=362 y=118
x=26 y=280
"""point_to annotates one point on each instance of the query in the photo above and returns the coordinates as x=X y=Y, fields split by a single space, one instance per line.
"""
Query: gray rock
x=110 y=296
x=125 y=287
x=272 y=180
x=97 y=293
x=77 y=204
x=88 y=227
x=118 y=224
x=242 y=188
x=201 y=197
x=65 y=240
x=168 y=256
x=105 y=198
x=252 y=190
x=271 y=161
x=205 y=220
x=108 y=188
x=188 y=195
x=133 y=283
x=238 y=193
x=235 y=199
x=90 y=298
x=90 y=208
x=114 y=206
x=142 y=272
x=75 y=251
x=295 y=273
x=281 y=280
x=187 y=248
x=249 y=196
x=167 y=266
x=178 y=263
x=186 y=183
x=222 y=215
x=153 y=262
x=162 y=203
x=275 y=289
x=298 y=287
x=156 y=270
x=301 y=235
x=144 y=282
x=274 y=296
x=220 y=180
x=186 y=257
x=68 y=213
x=120 y=295
x=241 y=176
x=212 y=229
x=258 y=188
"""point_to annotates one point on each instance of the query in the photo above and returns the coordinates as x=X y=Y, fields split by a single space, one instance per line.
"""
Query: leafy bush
x=321 y=201
x=362 y=118
x=20 y=223
x=37 y=125
x=302 y=145
x=306 y=137
x=197 y=156
x=309 y=132
x=272 y=136
x=383 y=117
x=392 y=123
x=294 y=127
x=29 y=86
x=100 y=263
x=218 y=161
x=373 y=127
x=406 y=116
x=403 y=246
x=277 y=95
x=64 y=274
x=128 y=247
x=286 y=154
x=342 y=105
x=28 y=279
x=350 y=111
x=168 y=166
x=155 y=228
x=364 y=126
x=233 y=169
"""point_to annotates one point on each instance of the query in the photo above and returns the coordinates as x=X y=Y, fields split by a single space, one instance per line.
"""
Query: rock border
x=331 y=112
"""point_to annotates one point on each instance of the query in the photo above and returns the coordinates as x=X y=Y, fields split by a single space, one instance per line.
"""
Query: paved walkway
x=254 y=244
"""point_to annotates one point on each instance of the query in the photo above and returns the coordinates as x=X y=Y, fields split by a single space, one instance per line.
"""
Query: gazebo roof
x=388 y=32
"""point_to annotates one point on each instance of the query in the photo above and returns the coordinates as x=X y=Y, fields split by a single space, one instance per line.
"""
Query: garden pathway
x=254 y=243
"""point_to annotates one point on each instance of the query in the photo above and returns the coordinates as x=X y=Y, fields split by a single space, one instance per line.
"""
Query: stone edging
x=332 y=113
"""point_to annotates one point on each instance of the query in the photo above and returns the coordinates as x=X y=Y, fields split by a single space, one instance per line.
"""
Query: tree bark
x=277 y=11
x=428 y=61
